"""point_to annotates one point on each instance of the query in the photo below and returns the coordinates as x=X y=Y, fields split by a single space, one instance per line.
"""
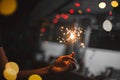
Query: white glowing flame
x=72 y=36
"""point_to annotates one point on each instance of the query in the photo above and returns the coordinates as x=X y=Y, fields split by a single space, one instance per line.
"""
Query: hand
x=64 y=63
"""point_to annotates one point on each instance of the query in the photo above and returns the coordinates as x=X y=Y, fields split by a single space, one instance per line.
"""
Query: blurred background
x=34 y=34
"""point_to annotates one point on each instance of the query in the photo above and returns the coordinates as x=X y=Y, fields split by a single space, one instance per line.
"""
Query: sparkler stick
x=70 y=35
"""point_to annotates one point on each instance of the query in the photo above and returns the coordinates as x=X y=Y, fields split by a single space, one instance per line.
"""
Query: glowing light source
x=55 y=21
x=57 y=16
x=11 y=71
x=34 y=77
x=7 y=7
x=107 y=25
x=77 y=4
x=88 y=10
x=71 y=11
x=13 y=66
x=9 y=74
x=114 y=3
x=80 y=11
x=102 y=5
x=110 y=13
x=65 y=16
x=70 y=35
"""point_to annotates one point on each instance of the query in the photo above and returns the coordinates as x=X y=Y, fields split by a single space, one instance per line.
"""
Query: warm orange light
x=9 y=74
x=114 y=3
x=8 y=7
x=72 y=36
x=34 y=77
x=13 y=66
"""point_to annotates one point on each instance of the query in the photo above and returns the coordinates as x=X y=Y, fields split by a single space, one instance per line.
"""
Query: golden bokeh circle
x=13 y=66
x=114 y=3
x=34 y=77
x=8 y=7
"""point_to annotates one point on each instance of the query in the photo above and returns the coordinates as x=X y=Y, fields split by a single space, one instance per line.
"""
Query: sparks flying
x=70 y=35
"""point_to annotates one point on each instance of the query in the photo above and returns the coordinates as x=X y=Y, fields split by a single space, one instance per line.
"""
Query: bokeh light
x=34 y=77
x=80 y=11
x=107 y=25
x=88 y=10
x=71 y=11
x=11 y=71
x=8 y=7
x=114 y=3
x=10 y=74
x=77 y=4
x=102 y=5
x=13 y=66
x=55 y=21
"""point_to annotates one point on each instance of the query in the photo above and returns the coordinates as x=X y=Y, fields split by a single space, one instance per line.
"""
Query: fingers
x=72 y=54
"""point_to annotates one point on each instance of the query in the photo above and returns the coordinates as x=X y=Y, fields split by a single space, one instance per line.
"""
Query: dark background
x=20 y=31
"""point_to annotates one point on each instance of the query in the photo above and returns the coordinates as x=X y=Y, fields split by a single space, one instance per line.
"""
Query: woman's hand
x=64 y=63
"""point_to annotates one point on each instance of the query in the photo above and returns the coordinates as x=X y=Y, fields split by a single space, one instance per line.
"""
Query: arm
x=61 y=64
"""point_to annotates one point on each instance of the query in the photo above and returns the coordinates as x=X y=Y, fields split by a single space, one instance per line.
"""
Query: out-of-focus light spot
x=82 y=44
x=55 y=21
x=88 y=10
x=102 y=5
x=114 y=3
x=71 y=11
x=8 y=7
x=62 y=15
x=65 y=16
x=77 y=4
x=80 y=11
x=110 y=13
x=57 y=16
x=107 y=25
x=13 y=66
x=41 y=34
x=9 y=74
x=72 y=36
x=34 y=77
x=43 y=29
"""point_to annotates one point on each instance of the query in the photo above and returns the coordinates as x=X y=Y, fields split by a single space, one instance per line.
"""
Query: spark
x=70 y=35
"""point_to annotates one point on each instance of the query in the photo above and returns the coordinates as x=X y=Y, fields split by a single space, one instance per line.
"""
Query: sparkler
x=70 y=35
